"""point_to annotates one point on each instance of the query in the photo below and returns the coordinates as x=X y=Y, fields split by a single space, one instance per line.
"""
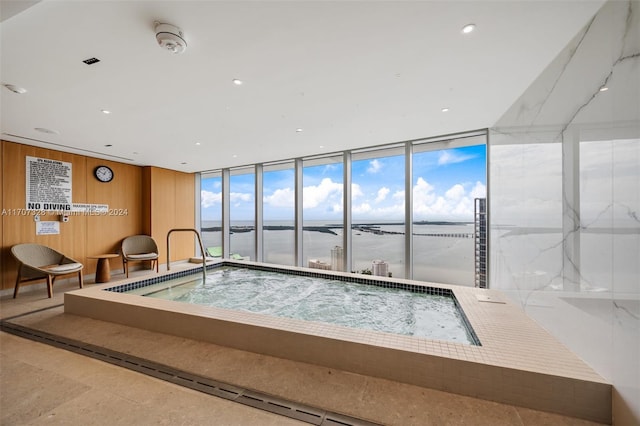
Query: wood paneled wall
x=171 y=198
x=142 y=200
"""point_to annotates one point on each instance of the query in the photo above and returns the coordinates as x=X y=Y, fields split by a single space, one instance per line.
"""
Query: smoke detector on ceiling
x=170 y=38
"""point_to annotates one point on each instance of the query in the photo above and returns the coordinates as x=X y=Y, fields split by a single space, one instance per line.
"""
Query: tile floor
x=40 y=384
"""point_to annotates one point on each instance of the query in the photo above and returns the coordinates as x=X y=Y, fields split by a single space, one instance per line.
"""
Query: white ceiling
x=350 y=74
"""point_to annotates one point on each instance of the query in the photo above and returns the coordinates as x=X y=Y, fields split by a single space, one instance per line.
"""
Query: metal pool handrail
x=195 y=231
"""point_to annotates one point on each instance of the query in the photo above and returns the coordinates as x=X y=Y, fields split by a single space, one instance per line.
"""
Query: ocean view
x=443 y=252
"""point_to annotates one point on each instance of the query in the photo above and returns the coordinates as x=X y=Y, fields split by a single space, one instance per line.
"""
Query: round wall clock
x=103 y=173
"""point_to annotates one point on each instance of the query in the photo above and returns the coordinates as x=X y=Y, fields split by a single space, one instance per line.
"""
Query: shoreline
x=373 y=228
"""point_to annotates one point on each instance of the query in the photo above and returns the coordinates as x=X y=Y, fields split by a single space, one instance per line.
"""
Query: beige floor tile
x=29 y=391
x=104 y=394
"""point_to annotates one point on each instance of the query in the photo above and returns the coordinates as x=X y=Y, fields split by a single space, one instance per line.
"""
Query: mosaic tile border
x=123 y=288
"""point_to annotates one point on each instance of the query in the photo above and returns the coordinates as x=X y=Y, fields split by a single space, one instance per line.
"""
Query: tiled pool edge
x=348 y=278
x=483 y=372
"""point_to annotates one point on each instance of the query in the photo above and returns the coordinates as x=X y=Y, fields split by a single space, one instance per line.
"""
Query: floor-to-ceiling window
x=442 y=179
x=447 y=177
x=211 y=212
x=322 y=212
x=278 y=201
x=377 y=211
x=242 y=213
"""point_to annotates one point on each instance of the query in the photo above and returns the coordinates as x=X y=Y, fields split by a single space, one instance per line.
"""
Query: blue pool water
x=331 y=301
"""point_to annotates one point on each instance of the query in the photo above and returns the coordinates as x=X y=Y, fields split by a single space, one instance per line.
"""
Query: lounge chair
x=139 y=248
x=236 y=256
x=37 y=262
x=214 y=251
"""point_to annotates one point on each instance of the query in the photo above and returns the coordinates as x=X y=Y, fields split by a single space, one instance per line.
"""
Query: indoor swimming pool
x=413 y=311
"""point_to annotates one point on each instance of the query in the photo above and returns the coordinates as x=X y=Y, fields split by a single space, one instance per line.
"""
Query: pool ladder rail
x=204 y=259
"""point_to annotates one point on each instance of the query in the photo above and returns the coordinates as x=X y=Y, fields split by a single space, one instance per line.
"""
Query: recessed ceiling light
x=321 y=146
x=237 y=82
x=197 y=143
x=298 y=130
x=604 y=88
x=468 y=28
x=105 y=111
x=234 y=156
x=48 y=131
x=445 y=109
x=16 y=89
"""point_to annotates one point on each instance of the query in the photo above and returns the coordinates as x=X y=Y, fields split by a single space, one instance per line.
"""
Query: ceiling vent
x=170 y=38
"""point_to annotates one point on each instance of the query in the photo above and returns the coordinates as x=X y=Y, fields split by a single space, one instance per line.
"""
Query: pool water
x=322 y=300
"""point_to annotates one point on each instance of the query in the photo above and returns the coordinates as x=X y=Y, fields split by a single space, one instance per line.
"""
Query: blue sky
x=445 y=182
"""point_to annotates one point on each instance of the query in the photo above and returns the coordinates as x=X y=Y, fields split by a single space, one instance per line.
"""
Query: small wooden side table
x=103 y=271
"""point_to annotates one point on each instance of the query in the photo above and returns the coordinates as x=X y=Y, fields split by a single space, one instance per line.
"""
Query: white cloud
x=450 y=157
x=208 y=198
x=365 y=211
x=282 y=197
x=314 y=195
x=464 y=208
x=456 y=192
x=361 y=209
x=356 y=191
x=429 y=203
x=237 y=197
x=382 y=194
x=479 y=191
x=457 y=203
x=394 y=211
x=423 y=193
x=374 y=166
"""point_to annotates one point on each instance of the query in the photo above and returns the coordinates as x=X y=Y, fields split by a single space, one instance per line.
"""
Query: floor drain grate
x=227 y=391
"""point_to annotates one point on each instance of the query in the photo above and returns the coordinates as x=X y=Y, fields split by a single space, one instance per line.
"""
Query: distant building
x=337 y=259
x=319 y=264
x=380 y=268
x=480 y=235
